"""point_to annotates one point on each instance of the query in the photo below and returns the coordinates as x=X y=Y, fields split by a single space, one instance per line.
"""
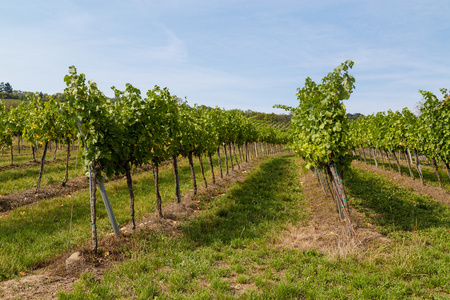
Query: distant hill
x=269 y=118
x=274 y=124
x=354 y=116
x=279 y=121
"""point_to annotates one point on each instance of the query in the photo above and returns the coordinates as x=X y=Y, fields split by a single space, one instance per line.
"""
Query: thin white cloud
x=243 y=53
x=174 y=51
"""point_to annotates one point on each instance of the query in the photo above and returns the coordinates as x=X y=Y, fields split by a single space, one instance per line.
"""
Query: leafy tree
x=8 y=88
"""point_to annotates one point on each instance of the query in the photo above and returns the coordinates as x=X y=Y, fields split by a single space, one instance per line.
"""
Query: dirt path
x=325 y=232
x=45 y=283
x=435 y=193
x=14 y=200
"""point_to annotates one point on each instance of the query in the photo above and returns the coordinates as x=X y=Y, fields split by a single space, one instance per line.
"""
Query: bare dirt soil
x=44 y=283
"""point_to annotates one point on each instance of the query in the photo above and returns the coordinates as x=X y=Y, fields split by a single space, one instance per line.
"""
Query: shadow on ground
x=247 y=210
x=391 y=207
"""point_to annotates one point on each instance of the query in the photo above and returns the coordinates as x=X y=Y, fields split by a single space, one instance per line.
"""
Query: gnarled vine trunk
x=374 y=156
x=448 y=169
x=220 y=162
x=409 y=166
x=246 y=152
x=12 y=156
x=419 y=169
x=389 y=159
x=42 y=167
x=398 y=163
x=177 y=178
x=382 y=159
x=231 y=156
x=191 y=165
x=66 y=175
x=54 y=153
x=33 y=153
x=200 y=161
x=226 y=158
x=157 y=194
x=131 y=193
x=211 y=167
x=235 y=157
x=436 y=170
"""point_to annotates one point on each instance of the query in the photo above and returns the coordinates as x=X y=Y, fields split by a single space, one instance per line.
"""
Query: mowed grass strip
x=428 y=172
x=23 y=178
x=233 y=250
x=420 y=257
x=25 y=155
x=392 y=208
x=32 y=235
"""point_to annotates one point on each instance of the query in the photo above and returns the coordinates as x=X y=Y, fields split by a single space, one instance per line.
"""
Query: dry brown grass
x=325 y=232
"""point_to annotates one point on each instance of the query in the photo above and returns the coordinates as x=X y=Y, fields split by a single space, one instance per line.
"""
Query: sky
x=231 y=54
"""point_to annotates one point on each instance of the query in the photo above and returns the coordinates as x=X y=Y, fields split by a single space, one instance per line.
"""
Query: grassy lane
x=392 y=208
x=233 y=251
x=419 y=260
x=429 y=175
x=34 y=234
x=23 y=178
x=26 y=156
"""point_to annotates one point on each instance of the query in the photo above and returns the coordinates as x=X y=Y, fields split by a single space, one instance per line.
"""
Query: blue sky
x=231 y=54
